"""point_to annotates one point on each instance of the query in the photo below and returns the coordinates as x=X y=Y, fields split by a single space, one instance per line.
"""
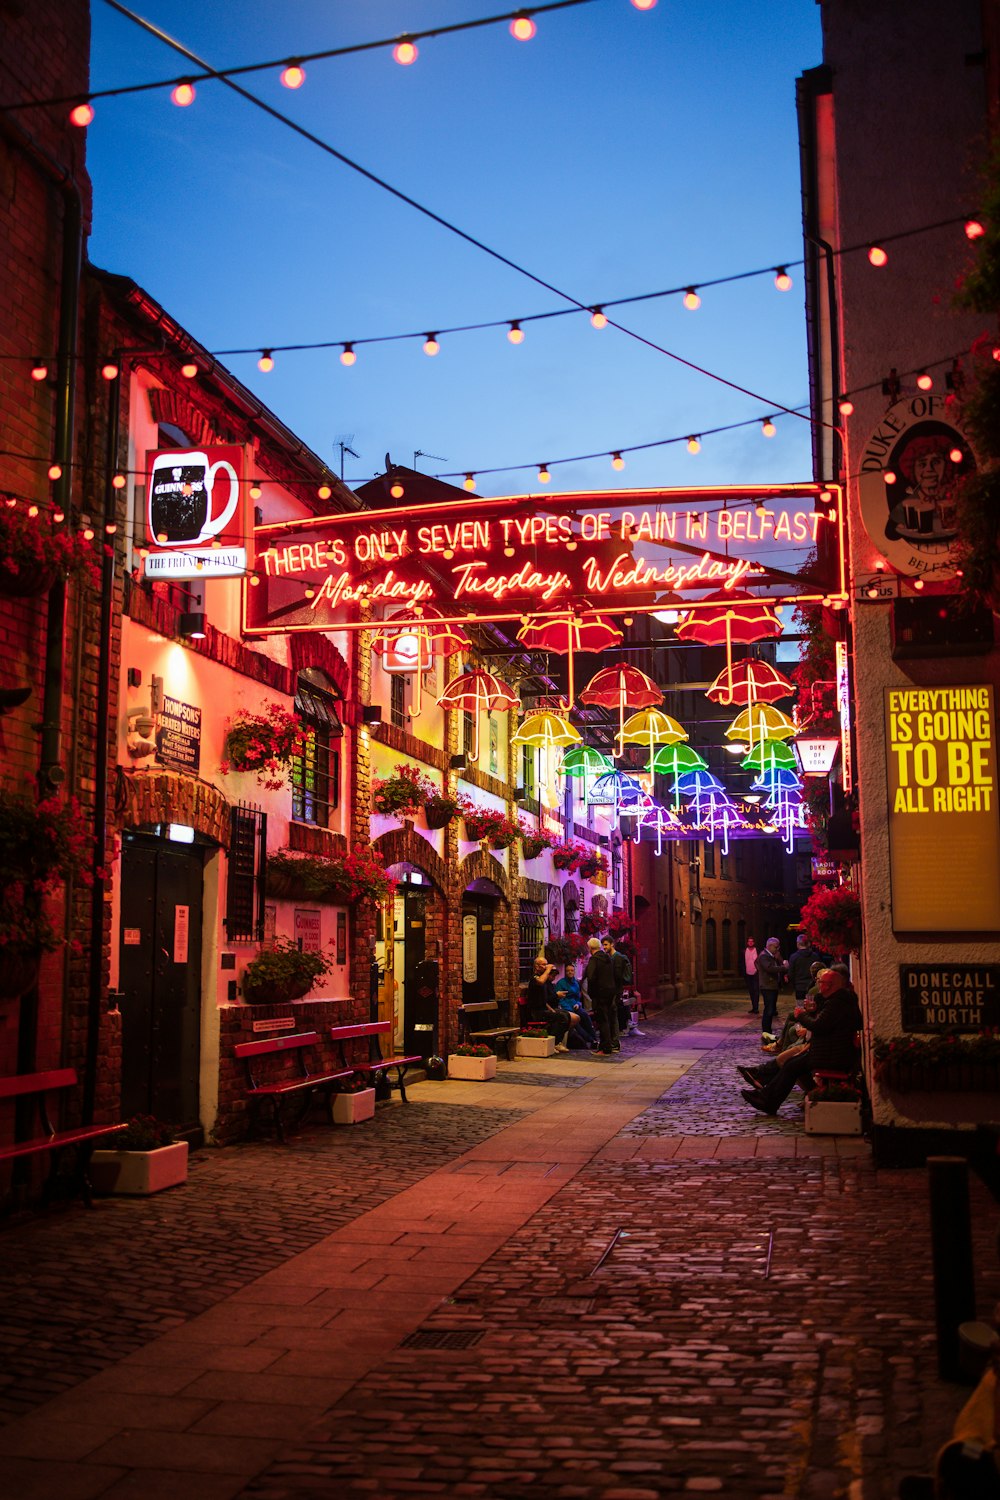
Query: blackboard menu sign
x=178 y=736
x=950 y=996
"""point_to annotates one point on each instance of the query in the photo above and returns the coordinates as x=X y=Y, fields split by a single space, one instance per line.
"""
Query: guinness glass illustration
x=182 y=499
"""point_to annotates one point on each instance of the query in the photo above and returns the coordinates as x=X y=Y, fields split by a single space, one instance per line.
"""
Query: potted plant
x=534 y=1040
x=439 y=808
x=943 y=1063
x=593 y=864
x=360 y=876
x=534 y=841
x=354 y=1100
x=34 y=551
x=566 y=950
x=402 y=794
x=592 y=924
x=282 y=972
x=831 y=919
x=833 y=1108
x=488 y=824
x=144 y=1157
x=566 y=857
x=472 y=1061
x=266 y=744
x=42 y=844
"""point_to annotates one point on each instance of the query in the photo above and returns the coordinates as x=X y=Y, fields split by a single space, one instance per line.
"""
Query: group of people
x=820 y=1034
x=561 y=1004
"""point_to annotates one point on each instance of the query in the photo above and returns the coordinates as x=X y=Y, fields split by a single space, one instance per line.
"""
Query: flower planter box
x=476 y=1069
x=139 y=1173
x=351 y=1109
x=536 y=1046
x=833 y=1117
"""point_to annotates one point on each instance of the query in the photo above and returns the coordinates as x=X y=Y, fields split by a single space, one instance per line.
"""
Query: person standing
x=800 y=966
x=770 y=968
x=750 y=969
x=607 y=974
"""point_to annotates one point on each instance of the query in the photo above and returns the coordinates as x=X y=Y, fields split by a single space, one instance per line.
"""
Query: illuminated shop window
x=316 y=772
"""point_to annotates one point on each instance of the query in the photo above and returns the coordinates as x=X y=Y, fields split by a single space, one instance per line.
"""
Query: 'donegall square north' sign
x=608 y=551
x=950 y=996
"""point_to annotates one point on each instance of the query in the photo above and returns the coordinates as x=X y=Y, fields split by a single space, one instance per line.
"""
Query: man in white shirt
x=753 y=983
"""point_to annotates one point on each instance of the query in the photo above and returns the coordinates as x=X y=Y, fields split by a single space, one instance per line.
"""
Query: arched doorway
x=481 y=902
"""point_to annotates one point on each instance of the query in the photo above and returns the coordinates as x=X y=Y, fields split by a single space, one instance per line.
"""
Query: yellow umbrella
x=546 y=731
x=761 y=721
x=652 y=727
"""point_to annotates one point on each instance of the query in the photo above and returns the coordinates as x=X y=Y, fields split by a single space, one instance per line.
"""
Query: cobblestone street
x=590 y=1278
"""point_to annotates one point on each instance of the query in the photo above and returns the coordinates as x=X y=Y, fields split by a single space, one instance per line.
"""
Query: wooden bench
x=35 y=1087
x=376 y=1064
x=476 y=1012
x=301 y=1087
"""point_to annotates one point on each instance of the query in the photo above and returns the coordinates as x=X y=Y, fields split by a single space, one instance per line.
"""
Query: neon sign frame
x=615 y=551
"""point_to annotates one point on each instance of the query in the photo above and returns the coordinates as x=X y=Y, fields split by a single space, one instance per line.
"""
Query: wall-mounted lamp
x=134 y=677
x=191 y=625
x=371 y=713
x=458 y=762
x=11 y=698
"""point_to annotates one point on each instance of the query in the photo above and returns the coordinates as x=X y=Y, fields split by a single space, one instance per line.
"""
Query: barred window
x=316 y=772
x=397 y=710
x=531 y=938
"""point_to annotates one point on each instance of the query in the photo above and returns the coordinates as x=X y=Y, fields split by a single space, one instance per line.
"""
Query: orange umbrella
x=749 y=681
x=478 y=692
x=621 y=687
x=417 y=641
x=730 y=616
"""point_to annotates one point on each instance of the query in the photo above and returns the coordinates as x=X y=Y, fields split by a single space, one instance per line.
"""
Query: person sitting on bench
x=831 y=1046
x=567 y=990
x=542 y=1004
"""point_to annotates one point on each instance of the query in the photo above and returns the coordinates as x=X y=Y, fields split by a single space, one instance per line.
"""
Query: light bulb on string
x=189 y=370
x=110 y=370
x=956 y=455
x=515 y=334
x=110 y=527
x=974 y=229
x=254 y=581
x=522 y=27
x=266 y=362
x=924 y=381
x=597 y=318
x=396 y=490
x=405 y=52
x=617 y=462
x=431 y=345
x=32 y=511
x=845 y=406
x=782 y=280
x=691 y=300
x=183 y=95
x=543 y=474
x=58 y=516
x=347 y=355
x=255 y=490
x=81 y=114
x=86 y=528
x=876 y=255
x=55 y=471
x=644 y=4
x=694 y=445
x=324 y=492
x=889 y=477
x=39 y=370
x=768 y=428
x=118 y=482
x=11 y=502
x=918 y=583
x=469 y=482
x=293 y=75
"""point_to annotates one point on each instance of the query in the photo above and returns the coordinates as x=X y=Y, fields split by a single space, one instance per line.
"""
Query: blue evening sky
x=618 y=152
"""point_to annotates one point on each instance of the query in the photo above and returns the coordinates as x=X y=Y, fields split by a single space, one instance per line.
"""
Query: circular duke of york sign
x=913 y=522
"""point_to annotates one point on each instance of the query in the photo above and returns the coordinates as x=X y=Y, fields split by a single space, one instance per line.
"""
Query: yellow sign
x=944 y=836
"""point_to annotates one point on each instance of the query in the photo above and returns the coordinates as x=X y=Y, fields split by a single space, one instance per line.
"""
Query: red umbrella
x=478 y=692
x=749 y=681
x=730 y=616
x=418 y=640
x=621 y=687
x=567 y=634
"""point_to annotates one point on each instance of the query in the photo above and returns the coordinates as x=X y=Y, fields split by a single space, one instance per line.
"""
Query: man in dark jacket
x=831 y=1046
x=800 y=965
x=606 y=976
x=770 y=968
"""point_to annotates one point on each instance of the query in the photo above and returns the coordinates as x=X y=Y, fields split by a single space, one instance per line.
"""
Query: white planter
x=139 y=1172
x=476 y=1068
x=833 y=1117
x=350 y=1109
x=536 y=1046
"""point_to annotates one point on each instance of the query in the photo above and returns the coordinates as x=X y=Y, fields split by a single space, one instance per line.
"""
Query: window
x=711 y=946
x=316 y=772
x=468 y=728
x=727 y=945
x=708 y=858
x=531 y=938
x=528 y=762
x=245 y=885
x=738 y=860
x=397 y=691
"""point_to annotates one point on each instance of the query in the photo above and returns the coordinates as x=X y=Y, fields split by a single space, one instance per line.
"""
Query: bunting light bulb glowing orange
x=55 y=471
x=183 y=95
x=347 y=355
x=110 y=370
x=293 y=75
x=110 y=527
x=644 y=4
x=889 y=477
x=597 y=318
x=396 y=490
x=266 y=362
x=974 y=229
x=617 y=462
x=118 y=483
x=924 y=381
x=254 y=581
x=845 y=406
x=189 y=370
x=88 y=533
x=469 y=482
x=918 y=583
x=694 y=445
x=515 y=334
x=255 y=491
x=324 y=492
x=431 y=345
x=768 y=428
x=691 y=300
x=405 y=52
x=956 y=455
x=39 y=370
x=523 y=28
x=543 y=474
x=877 y=255
x=81 y=114
x=32 y=510
x=782 y=280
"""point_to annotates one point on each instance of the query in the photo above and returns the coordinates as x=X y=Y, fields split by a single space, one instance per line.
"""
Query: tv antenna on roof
x=345 y=448
x=419 y=453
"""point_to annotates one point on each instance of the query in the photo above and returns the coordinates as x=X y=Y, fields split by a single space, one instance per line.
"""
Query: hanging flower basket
x=439 y=810
x=488 y=824
x=283 y=972
x=831 y=919
x=566 y=857
x=593 y=864
x=338 y=881
x=401 y=795
x=34 y=551
x=938 y=1064
x=534 y=841
x=266 y=744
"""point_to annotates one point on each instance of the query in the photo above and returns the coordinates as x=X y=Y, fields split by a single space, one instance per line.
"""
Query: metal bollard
x=951 y=1243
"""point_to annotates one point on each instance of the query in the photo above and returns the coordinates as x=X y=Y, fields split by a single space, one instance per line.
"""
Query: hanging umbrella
x=674 y=760
x=759 y=722
x=661 y=819
x=770 y=753
x=695 y=785
x=721 y=812
x=548 y=732
x=618 y=790
x=621 y=687
x=419 y=639
x=584 y=761
x=652 y=727
x=567 y=634
x=748 y=681
x=728 y=615
x=478 y=692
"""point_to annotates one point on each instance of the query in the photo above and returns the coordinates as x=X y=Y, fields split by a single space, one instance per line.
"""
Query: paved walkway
x=594 y=1278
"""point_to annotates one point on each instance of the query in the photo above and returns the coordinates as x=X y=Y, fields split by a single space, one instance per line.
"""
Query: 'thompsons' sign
x=944 y=834
x=610 y=551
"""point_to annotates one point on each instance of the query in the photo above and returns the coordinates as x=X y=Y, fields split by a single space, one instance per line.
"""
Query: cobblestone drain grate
x=443 y=1338
x=541 y=1080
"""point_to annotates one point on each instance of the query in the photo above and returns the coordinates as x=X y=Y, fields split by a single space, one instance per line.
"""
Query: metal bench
x=376 y=1064
x=502 y=1034
x=301 y=1087
x=35 y=1087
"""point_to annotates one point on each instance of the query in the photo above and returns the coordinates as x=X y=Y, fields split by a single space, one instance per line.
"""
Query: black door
x=478 y=975
x=414 y=951
x=160 y=979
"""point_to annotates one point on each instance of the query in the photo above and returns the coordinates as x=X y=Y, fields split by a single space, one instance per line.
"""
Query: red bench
x=35 y=1087
x=376 y=1063
x=301 y=1087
